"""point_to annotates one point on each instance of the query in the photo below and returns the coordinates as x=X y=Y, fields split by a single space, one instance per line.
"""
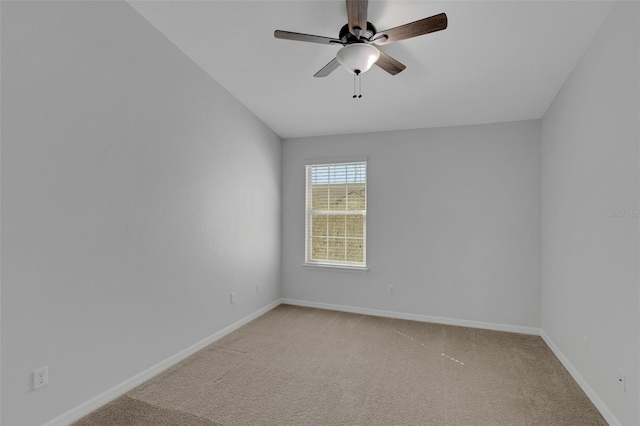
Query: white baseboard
x=588 y=390
x=416 y=317
x=124 y=387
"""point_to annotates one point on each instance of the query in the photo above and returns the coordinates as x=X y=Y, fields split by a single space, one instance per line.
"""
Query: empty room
x=319 y=212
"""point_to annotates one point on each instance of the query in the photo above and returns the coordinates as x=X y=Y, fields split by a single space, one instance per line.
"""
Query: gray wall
x=136 y=194
x=453 y=221
x=590 y=265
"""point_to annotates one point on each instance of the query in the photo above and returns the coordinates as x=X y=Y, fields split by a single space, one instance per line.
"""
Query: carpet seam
x=214 y=423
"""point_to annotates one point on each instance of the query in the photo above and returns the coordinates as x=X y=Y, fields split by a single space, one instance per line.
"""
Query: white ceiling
x=497 y=60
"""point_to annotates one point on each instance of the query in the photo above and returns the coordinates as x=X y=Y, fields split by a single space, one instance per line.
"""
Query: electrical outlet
x=232 y=297
x=622 y=381
x=40 y=377
x=257 y=288
x=586 y=344
x=391 y=289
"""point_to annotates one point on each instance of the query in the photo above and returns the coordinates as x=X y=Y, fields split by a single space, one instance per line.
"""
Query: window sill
x=327 y=267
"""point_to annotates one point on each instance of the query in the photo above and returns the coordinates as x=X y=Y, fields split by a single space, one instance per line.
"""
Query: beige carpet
x=302 y=366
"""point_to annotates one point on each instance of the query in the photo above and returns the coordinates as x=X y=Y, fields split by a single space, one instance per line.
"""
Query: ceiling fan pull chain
x=354 y=86
x=356 y=76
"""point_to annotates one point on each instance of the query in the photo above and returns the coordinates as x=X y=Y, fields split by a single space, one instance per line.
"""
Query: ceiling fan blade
x=413 y=29
x=328 y=69
x=288 y=35
x=389 y=64
x=357 y=16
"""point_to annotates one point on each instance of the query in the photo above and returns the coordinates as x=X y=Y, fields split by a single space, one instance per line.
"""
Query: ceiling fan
x=359 y=39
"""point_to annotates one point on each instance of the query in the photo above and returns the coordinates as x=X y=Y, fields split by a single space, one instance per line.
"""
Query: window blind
x=336 y=208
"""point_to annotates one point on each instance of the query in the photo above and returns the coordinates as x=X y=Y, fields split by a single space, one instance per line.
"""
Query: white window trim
x=334 y=265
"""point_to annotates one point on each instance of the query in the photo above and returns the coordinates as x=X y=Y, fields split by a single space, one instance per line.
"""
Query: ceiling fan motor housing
x=349 y=38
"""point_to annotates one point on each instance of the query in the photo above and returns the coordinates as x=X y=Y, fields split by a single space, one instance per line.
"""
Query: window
x=336 y=212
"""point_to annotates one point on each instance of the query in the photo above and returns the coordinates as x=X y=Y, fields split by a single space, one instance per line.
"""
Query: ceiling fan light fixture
x=358 y=57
